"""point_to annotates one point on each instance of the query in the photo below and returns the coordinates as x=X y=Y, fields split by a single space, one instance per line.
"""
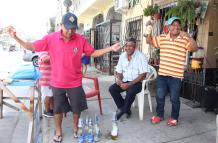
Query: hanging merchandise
x=156 y=27
x=197 y=58
x=148 y=32
x=156 y=32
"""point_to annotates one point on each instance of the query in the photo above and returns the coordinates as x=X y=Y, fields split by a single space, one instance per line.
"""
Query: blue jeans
x=173 y=85
x=124 y=104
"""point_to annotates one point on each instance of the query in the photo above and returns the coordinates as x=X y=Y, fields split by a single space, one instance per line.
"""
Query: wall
x=136 y=11
x=163 y=2
x=212 y=40
x=209 y=43
x=209 y=24
x=88 y=23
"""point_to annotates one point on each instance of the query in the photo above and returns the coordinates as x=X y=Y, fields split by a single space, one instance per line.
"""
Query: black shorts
x=69 y=99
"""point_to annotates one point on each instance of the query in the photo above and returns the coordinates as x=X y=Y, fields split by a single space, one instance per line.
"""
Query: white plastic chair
x=152 y=75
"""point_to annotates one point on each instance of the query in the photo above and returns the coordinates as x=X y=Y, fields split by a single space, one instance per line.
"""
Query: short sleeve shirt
x=45 y=70
x=172 y=54
x=133 y=68
x=65 y=58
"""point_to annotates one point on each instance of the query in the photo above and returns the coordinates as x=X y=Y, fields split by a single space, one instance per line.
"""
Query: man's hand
x=184 y=34
x=100 y=52
x=119 y=82
x=115 y=47
x=46 y=59
x=193 y=44
x=11 y=30
x=124 y=86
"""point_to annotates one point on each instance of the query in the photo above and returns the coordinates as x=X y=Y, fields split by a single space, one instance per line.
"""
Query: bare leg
x=47 y=103
x=58 y=122
x=75 y=121
x=85 y=69
x=51 y=103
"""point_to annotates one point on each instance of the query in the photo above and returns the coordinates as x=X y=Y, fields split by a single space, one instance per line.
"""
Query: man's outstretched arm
x=114 y=48
x=27 y=45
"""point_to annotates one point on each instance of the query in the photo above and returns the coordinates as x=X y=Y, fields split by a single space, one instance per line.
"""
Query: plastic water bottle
x=90 y=138
x=86 y=129
x=97 y=132
x=114 y=131
x=81 y=137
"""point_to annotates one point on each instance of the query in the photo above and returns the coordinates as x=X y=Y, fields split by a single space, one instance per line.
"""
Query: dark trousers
x=124 y=104
x=165 y=83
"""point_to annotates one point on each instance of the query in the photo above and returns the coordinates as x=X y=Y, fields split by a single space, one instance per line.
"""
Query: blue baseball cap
x=170 y=21
x=69 y=20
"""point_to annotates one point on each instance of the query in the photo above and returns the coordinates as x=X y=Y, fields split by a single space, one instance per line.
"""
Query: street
x=195 y=125
x=10 y=60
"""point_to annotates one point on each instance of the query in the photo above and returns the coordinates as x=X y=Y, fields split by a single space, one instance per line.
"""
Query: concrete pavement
x=195 y=126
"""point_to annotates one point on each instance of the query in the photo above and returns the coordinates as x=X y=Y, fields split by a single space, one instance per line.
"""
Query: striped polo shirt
x=45 y=69
x=172 y=54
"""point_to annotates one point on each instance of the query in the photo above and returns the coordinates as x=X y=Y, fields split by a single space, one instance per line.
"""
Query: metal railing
x=107 y=33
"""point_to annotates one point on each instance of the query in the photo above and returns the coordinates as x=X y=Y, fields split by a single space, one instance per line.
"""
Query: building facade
x=105 y=22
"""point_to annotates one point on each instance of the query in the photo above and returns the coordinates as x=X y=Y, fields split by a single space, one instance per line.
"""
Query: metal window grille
x=107 y=33
x=134 y=28
x=133 y=2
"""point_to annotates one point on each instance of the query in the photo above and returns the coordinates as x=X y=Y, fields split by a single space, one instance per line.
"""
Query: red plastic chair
x=90 y=92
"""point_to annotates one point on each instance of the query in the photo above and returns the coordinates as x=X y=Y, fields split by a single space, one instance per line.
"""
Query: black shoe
x=51 y=111
x=48 y=114
x=128 y=114
x=119 y=114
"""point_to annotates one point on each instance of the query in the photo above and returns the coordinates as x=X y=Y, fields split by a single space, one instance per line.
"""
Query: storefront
x=201 y=76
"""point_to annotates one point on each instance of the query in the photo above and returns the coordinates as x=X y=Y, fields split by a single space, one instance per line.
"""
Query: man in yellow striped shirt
x=173 y=47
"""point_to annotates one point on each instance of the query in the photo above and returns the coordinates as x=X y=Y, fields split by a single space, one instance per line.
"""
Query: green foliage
x=185 y=10
x=151 y=10
x=135 y=2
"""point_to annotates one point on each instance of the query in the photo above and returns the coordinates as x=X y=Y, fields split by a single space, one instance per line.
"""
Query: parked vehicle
x=12 y=48
x=30 y=56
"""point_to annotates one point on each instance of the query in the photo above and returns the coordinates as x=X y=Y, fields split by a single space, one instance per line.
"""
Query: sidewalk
x=195 y=126
x=14 y=124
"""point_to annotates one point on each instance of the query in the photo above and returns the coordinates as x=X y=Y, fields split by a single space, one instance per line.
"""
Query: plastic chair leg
x=99 y=102
x=149 y=101
x=141 y=105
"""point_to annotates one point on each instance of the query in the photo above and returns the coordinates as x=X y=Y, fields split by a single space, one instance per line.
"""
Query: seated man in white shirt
x=131 y=70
